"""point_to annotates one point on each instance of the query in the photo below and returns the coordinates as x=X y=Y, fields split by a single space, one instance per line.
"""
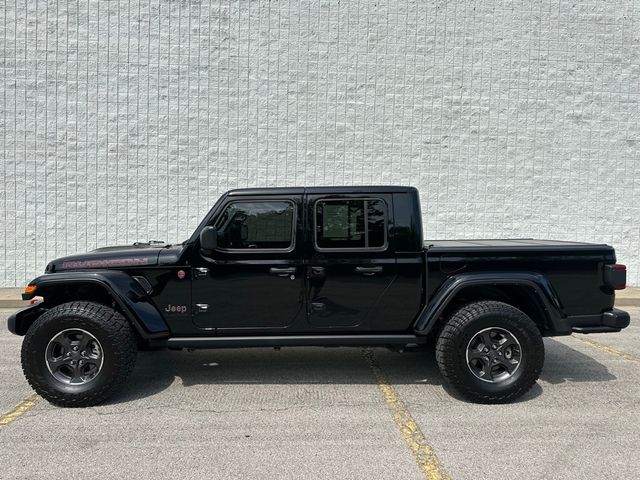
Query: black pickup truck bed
x=575 y=272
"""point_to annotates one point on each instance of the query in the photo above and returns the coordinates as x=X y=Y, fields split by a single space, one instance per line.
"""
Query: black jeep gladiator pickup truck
x=322 y=266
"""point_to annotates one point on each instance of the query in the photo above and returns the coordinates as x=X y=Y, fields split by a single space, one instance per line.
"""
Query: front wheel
x=490 y=352
x=77 y=354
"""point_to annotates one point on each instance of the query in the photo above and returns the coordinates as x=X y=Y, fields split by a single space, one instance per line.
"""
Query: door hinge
x=318 y=306
x=201 y=308
x=317 y=271
x=200 y=272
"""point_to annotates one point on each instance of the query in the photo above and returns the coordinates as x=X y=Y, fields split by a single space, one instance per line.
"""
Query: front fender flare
x=127 y=293
x=538 y=285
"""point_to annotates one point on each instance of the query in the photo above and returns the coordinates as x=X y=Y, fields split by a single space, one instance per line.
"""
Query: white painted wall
x=124 y=120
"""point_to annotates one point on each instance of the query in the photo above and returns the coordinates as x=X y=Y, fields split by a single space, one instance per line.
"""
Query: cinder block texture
x=124 y=120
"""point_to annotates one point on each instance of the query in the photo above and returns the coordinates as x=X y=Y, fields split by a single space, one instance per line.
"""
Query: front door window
x=256 y=225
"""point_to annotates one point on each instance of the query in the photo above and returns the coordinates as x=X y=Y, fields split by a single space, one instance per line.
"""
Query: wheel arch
x=531 y=293
x=116 y=289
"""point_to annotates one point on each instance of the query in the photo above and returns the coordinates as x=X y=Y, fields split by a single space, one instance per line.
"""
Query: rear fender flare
x=538 y=285
x=126 y=292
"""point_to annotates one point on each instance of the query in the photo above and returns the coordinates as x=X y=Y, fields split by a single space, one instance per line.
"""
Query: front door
x=255 y=279
x=351 y=265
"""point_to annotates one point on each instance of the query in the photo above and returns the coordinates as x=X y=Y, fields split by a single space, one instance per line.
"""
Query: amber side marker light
x=30 y=289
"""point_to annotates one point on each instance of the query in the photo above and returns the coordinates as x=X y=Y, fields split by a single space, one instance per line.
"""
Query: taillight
x=616 y=276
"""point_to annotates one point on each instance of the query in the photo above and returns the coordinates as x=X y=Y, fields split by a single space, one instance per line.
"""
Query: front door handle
x=200 y=272
x=283 y=271
x=368 y=271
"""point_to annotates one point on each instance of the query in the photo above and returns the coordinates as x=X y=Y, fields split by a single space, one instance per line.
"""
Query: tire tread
x=455 y=327
x=119 y=333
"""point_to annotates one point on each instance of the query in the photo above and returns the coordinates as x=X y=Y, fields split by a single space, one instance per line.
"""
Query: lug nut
x=75 y=349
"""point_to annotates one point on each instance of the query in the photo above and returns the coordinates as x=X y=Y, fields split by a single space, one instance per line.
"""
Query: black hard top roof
x=319 y=190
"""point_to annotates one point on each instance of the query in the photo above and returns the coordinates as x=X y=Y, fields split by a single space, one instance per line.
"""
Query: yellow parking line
x=22 y=407
x=609 y=350
x=425 y=457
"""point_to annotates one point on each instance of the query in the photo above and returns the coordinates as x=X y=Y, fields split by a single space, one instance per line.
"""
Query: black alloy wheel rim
x=74 y=357
x=494 y=355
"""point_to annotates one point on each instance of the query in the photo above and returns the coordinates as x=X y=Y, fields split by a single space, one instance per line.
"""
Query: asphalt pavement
x=331 y=413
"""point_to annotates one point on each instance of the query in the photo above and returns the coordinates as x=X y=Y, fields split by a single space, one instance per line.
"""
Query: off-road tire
x=109 y=327
x=460 y=329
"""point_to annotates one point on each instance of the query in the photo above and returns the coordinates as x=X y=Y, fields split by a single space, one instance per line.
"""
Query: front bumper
x=610 y=321
x=19 y=322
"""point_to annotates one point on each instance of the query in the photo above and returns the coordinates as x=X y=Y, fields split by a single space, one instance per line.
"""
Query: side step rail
x=289 y=341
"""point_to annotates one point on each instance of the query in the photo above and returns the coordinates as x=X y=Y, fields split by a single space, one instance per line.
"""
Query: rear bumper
x=611 y=321
x=19 y=322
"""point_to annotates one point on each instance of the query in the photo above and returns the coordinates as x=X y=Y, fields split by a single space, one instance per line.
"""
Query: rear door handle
x=368 y=271
x=283 y=271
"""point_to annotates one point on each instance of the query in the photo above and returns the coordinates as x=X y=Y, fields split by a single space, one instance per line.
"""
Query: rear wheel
x=490 y=352
x=78 y=354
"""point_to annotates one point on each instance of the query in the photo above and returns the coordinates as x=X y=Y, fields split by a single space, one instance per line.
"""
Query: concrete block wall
x=124 y=120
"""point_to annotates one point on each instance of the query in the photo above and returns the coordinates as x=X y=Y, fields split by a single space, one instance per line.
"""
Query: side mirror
x=209 y=238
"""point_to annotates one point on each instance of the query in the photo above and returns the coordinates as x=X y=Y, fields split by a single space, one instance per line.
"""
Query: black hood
x=136 y=255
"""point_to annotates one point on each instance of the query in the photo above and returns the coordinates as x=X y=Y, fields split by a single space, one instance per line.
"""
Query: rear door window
x=350 y=224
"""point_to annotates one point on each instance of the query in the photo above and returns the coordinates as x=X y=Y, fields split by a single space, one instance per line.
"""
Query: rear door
x=255 y=279
x=350 y=261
